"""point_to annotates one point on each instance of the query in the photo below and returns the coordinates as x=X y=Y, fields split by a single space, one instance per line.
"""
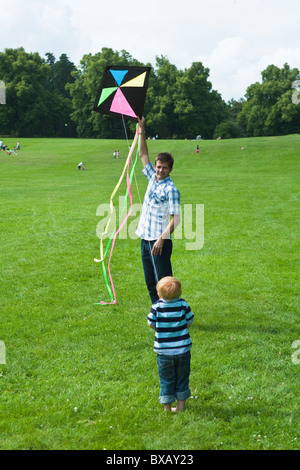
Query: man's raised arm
x=143 y=149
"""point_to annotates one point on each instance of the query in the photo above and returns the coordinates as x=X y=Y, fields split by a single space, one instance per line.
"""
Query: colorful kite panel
x=123 y=91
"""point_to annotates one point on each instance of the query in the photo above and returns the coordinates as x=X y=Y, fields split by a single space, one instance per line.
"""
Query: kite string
x=128 y=179
x=126 y=135
x=115 y=233
x=111 y=212
x=102 y=256
x=125 y=130
x=149 y=244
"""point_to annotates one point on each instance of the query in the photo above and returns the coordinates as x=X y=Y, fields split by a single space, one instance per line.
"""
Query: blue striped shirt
x=162 y=199
x=171 y=319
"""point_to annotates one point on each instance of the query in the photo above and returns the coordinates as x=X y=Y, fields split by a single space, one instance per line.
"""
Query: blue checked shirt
x=162 y=199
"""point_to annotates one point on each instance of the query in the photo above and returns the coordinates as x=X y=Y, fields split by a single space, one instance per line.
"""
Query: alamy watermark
x=295 y=358
x=2 y=353
x=296 y=94
x=2 y=92
x=190 y=227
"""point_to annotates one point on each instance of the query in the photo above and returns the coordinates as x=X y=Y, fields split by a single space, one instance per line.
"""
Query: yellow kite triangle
x=137 y=81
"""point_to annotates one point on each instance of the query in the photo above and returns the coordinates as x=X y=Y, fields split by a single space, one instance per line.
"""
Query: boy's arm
x=151 y=324
x=151 y=318
x=143 y=148
x=189 y=316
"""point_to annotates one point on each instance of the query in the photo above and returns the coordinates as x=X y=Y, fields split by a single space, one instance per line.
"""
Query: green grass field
x=83 y=376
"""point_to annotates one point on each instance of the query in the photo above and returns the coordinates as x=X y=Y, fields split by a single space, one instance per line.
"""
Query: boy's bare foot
x=180 y=406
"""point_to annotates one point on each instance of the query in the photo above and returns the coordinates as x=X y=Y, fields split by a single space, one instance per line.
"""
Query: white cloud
x=38 y=26
x=226 y=63
x=234 y=64
x=236 y=39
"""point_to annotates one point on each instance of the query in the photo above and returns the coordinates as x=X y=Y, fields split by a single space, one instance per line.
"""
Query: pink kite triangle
x=121 y=106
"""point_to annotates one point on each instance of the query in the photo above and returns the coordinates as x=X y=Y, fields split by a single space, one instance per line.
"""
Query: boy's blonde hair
x=169 y=288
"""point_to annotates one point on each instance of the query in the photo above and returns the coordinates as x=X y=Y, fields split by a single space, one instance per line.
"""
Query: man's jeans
x=174 y=373
x=155 y=267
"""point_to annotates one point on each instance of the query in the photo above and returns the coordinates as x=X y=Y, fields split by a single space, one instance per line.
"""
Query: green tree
x=269 y=109
x=228 y=130
x=26 y=78
x=61 y=76
x=234 y=107
x=32 y=107
x=199 y=107
x=50 y=58
x=162 y=117
x=183 y=103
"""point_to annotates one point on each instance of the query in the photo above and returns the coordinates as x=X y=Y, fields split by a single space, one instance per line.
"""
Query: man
x=161 y=203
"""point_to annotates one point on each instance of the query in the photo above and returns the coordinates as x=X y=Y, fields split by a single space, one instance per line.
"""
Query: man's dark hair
x=165 y=158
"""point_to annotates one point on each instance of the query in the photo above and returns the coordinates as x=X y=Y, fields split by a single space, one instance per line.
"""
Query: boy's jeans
x=174 y=372
x=162 y=265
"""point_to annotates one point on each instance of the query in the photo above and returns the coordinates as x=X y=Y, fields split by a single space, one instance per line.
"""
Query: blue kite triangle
x=118 y=75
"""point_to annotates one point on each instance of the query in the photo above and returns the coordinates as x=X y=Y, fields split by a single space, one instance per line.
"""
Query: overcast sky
x=235 y=39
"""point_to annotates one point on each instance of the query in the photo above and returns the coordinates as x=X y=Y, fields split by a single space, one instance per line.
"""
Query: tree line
x=46 y=97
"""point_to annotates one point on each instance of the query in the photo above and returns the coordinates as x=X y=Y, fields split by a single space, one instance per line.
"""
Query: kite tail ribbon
x=112 y=241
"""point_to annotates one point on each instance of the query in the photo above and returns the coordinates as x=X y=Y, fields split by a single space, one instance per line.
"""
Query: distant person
x=118 y=154
x=115 y=154
x=18 y=146
x=81 y=166
x=197 y=149
x=171 y=317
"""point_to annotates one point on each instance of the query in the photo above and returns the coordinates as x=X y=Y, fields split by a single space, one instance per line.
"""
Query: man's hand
x=158 y=247
x=142 y=123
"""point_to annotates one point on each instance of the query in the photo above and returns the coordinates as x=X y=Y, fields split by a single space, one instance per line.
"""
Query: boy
x=171 y=317
x=161 y=203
